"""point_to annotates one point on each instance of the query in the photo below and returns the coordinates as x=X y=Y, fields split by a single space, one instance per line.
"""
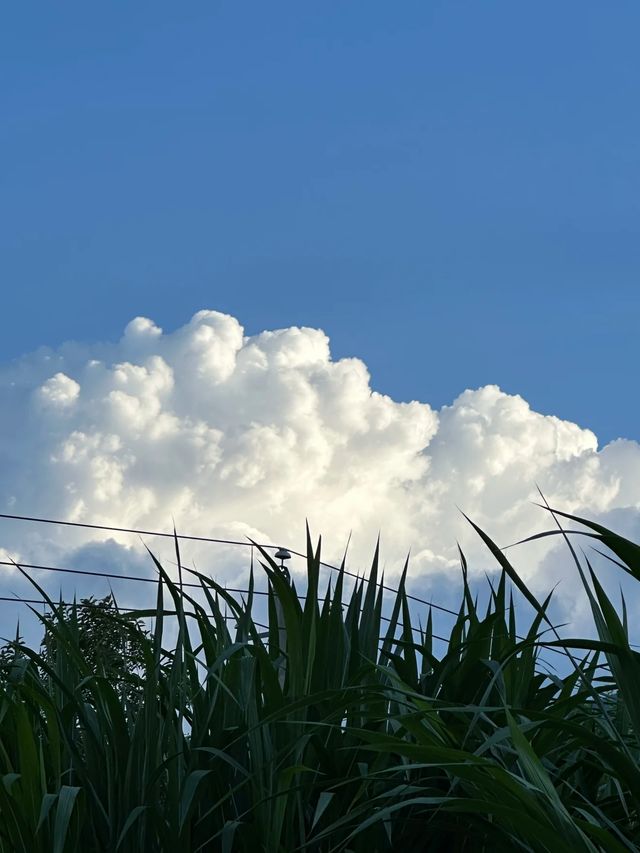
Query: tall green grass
x=330 y=729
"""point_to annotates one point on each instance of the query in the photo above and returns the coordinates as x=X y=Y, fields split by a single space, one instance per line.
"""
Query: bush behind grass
x=330 y=730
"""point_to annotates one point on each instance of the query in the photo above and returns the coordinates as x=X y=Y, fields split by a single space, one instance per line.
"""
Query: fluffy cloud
x=233 y=435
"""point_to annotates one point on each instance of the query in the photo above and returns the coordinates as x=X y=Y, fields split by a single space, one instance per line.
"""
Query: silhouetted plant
x=360 y=736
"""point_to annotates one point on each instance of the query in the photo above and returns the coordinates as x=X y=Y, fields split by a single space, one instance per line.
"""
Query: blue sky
x=449 y=189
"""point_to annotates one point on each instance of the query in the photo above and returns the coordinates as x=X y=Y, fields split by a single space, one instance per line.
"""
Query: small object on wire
x=282 y=554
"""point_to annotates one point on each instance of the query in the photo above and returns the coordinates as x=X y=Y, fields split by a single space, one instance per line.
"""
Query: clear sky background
x=450 y=189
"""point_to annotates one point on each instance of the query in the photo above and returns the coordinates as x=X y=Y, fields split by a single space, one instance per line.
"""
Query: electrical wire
x=186 y=537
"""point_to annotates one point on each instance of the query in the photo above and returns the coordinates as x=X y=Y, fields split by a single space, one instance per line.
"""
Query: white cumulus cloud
x=233 y=435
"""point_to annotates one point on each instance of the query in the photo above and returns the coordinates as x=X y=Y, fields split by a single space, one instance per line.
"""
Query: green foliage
x=111 y=643
x=330 y=730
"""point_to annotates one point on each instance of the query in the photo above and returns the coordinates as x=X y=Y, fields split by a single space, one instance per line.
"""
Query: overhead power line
x=186 y=537
x=227 y=618
x=182 y=536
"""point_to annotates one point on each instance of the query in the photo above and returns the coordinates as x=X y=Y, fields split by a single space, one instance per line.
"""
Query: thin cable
x=216 y=541
x=111 y=575
x=227 y=618
x=89 y=605
x=41 y=601
x=127 y=530
x=114 y=576
x=198 y=539
x=140 y=579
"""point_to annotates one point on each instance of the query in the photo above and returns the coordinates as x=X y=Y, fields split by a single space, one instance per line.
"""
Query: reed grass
x=329 y=730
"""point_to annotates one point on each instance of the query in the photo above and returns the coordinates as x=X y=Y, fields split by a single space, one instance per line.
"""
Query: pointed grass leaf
x=67 y=803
